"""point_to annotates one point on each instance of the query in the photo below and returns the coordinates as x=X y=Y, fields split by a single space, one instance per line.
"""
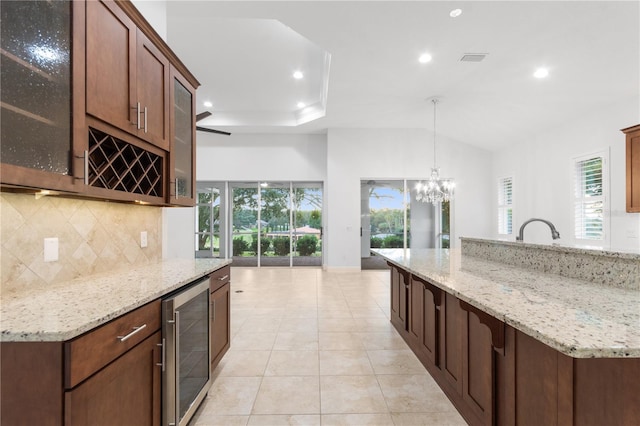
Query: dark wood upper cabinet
x=38 y=60
x=153 y=92
x=183 y=156
x=633 y=168
x=87 y=109
x=110 y=80
x=127 y=76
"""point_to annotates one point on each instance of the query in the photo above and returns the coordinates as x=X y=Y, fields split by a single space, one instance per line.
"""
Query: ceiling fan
x=204 y=115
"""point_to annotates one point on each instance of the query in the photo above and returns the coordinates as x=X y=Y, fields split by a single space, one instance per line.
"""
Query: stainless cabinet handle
x=223 y=278
x=164 y=355
x=176 y=189
x=137 y=108
x=135 y=331
x=145 y=119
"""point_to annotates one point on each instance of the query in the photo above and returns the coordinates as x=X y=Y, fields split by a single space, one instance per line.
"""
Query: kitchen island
x=511 y=345
x=92 y=350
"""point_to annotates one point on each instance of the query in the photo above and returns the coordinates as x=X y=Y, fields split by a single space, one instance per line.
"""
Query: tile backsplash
x=94 y=237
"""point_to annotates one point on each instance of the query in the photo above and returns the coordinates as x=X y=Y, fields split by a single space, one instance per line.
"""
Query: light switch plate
x=51 y=249
x=143 y=239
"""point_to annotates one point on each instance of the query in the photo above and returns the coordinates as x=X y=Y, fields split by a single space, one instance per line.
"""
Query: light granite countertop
x=66 y=310
x=578 y=318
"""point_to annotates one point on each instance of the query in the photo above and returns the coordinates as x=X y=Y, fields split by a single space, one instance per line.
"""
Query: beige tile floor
x=311 y=347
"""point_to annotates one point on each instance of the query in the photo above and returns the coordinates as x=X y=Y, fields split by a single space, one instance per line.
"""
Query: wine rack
x=118 y=165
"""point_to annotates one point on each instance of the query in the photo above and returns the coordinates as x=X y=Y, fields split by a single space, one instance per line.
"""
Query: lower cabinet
x=220 y=327
x=482 y=343
x=457 y=343
x=399 y=298
x=451 y=344
x=497 y=375
x=424 y=318
x=219 y=311
x=111 y=375
x=126 y=392
x=107 y=376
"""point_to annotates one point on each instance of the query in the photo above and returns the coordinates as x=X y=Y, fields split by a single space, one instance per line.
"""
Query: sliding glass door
x=244 y=223
x=275 y=220
x=260 y=223
x=306 y=233
x=391 y=217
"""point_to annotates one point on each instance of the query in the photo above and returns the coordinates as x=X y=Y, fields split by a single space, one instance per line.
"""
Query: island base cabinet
x=607 y=391
x=495 y=374
x=554 y=389
x=399 y=299
x=478 y=368
x=424 y=321
x=126 y=392
x=451 y=343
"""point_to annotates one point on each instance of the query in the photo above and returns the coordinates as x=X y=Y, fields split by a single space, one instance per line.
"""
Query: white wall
x=155 y=12
x=541 y=167
x=354 y=154
x=341 y=159
x=178 y=228
x=243 y=157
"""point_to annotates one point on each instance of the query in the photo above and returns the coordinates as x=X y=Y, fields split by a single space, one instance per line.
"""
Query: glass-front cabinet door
x=182 y=162
x=36 y=70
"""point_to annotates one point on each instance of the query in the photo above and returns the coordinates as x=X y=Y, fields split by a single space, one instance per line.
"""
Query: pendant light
x=436 y=189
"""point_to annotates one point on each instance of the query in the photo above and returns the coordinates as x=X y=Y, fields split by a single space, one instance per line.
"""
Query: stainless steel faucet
x=554 y=232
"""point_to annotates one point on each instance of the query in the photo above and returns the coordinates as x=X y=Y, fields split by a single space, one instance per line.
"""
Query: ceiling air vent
x=473 y=57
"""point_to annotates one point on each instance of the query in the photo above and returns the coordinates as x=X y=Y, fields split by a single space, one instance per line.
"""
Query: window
x=590 y=197
x=505 y=206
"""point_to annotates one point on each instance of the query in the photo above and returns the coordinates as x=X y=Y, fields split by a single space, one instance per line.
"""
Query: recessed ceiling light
x=301 y=105
x=207 y=104
x=424 y=58
x=541 y=73
x=298 y=75
x=455 y=13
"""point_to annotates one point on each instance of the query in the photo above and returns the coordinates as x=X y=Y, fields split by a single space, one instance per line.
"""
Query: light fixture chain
x=435 y=101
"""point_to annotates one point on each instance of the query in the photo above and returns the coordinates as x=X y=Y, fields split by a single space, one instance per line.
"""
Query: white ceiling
x=244 y=54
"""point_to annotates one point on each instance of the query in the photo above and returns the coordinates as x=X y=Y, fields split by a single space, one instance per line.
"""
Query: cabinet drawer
x=220 y=278
x=90 y=352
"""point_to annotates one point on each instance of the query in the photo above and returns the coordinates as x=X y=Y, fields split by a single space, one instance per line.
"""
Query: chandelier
x=436 y=189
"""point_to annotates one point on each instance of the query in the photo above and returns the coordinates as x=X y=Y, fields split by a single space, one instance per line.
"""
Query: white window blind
x=589 y=198
x=505 y=206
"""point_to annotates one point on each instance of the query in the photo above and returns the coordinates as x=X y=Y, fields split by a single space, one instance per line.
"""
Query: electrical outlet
x=51 y=249
x=632 y=233
x=143 y=239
